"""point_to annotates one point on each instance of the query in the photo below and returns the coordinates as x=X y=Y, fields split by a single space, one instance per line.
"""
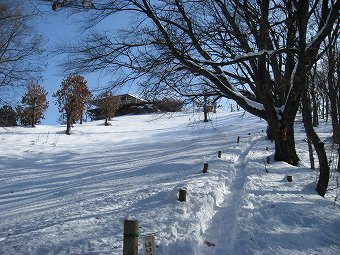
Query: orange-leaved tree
x=108 y=105
x=33 y=105
x=71 y=98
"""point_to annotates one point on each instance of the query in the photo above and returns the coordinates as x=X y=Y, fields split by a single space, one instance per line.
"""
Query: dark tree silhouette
x=8 y=116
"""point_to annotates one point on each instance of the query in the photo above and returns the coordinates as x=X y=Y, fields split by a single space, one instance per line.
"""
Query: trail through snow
x=70 y=194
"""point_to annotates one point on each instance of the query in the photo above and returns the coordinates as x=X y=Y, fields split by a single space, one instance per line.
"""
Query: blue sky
x=57 y=27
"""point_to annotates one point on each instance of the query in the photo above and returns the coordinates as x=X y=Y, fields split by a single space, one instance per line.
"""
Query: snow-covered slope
x=70 y=194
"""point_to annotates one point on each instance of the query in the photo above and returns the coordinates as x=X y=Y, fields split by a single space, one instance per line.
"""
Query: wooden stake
x=238 y=139
x=182 y=195
x=268 y=160
x=205 y=168
x=219 y=154
x=130 y=245
x=289 y=178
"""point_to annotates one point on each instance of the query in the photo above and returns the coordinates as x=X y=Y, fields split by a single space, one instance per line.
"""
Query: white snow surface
x=64 y=194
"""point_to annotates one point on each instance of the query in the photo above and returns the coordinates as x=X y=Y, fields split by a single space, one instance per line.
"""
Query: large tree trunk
x=333 y=92
x=339 y=158
x=283 y=136
x=335 y=122
x=322 y=184
x=334 y=105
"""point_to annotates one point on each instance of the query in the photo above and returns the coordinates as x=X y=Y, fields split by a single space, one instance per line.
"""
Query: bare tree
x=19 y=47
x=254 y=52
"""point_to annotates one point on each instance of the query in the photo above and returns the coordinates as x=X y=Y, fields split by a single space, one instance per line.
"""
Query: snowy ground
x=70 y=194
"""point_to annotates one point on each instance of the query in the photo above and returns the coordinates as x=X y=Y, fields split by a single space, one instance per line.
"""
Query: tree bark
x=315 y=108
x=205 y=108
x=327 y=108
x=334 y=104
x=285 y=144
x=333 y=91
x=335 y=121
x=32 y=117
x=311 y=156
x=338 y=158
x=33 y=113
x=68 y=123
x=322 y=184
x=323 y=108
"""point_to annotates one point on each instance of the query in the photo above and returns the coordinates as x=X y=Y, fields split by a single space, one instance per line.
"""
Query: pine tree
x=71 y=98
x=34 y=105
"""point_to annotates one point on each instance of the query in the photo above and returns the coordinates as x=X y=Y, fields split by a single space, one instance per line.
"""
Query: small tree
x=108 y=105
x=34 y=105
x=169 y=105
x=71 y=97
x=7 y=116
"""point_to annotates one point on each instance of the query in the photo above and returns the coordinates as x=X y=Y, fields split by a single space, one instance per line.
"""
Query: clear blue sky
x=57 y=27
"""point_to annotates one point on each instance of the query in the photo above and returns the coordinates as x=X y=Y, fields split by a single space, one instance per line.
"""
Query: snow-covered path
x=69 y=194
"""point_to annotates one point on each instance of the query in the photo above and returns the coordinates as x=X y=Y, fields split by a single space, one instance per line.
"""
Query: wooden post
x=205 y=168
x=182 y=195
x=238 y=139
x=267 y=148
x=289 y=178
x=268 y=160
x=219 y=154
x=130 y=245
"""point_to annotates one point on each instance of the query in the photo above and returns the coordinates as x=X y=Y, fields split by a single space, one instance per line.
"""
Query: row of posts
x=131 y=227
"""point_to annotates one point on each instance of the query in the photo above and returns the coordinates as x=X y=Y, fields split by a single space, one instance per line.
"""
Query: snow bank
x=70 y=194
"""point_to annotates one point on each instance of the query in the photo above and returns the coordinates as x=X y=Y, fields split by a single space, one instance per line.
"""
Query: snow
x=64 y=194
x=254 y=54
